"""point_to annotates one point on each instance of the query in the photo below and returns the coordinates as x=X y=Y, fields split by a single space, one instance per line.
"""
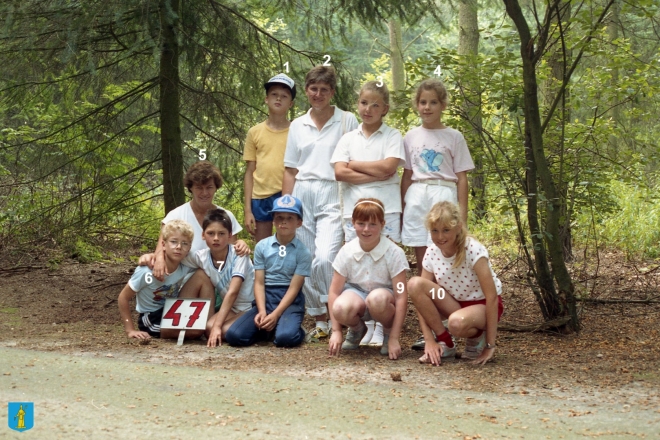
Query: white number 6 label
x=148 y=278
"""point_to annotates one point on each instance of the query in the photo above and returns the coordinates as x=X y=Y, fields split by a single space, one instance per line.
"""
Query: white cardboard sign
x=185 y=313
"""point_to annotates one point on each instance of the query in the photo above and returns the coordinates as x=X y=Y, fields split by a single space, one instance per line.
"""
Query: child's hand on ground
x=259 y=319
x=334 y=344
x=433 y=352
x=486 y=355
x=136 y=334
x=250 y=223
x=147 y=260
x=215 y=336
x=394 y=348
x=241 y=248
x=269 y=322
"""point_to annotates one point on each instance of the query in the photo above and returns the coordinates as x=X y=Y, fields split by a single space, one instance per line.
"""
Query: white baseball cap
x=284 y=80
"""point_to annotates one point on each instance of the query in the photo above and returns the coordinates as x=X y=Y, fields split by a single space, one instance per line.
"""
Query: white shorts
x=362 y=294
x=392 y=229
x=420 y=198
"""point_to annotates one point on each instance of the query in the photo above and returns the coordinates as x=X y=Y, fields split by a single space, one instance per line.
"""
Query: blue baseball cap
x=282 y=80
x=288 y=203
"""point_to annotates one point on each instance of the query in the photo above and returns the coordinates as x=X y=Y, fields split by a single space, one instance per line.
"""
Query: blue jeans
x=288 y=331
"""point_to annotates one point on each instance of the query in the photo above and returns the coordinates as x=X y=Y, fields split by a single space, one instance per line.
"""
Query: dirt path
x=94 y=396
x=62 y=346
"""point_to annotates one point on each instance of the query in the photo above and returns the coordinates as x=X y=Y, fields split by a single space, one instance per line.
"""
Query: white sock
x=370 y=332
x=377 y=338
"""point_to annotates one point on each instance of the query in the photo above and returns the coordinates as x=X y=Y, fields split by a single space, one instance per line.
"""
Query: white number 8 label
x=282 y=252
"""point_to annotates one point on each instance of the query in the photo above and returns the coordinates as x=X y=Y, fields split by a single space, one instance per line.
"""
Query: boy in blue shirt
x=281 y=263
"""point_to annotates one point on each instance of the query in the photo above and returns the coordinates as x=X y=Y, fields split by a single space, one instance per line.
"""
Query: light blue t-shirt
x=151 y=293
x=234 y=266
x=280 y=263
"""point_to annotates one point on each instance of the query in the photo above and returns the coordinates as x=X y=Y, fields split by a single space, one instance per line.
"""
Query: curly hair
x=201 y=172
x=175 y=226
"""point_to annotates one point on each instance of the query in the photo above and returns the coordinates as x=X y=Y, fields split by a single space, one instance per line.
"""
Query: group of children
x=304 y=265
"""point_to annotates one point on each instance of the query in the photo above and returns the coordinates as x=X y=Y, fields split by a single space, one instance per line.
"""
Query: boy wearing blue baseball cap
x=264 y=154
x=281 y=263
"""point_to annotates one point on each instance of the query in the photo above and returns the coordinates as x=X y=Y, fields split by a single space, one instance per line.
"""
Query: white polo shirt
x=309 y=150
x=383 y=143
x=371 y=270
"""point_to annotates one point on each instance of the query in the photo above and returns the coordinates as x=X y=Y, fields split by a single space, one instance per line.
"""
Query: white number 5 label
x=185 y=313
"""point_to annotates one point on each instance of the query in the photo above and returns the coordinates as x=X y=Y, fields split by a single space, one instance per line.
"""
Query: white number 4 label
x=185 y=313
x=437 y=71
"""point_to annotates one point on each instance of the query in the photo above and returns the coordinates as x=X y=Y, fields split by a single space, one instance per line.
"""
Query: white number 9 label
x=400 y=287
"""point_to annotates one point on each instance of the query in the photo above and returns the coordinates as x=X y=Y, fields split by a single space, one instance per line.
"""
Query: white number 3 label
x=282 y=252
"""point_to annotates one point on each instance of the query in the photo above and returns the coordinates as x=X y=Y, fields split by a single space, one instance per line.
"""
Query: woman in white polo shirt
x=310 y=177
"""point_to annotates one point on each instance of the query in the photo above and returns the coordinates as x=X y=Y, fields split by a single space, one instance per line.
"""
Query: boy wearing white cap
x=281 y=264
x=264 y=153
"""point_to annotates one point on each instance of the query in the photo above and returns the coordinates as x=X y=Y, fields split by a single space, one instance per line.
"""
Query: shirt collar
x=376 y=253
x=336 y=117
x=277 y=243
x=380 y=130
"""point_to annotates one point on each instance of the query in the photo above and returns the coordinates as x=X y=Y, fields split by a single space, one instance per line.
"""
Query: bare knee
x=416 y=287
x=378 y=300
x=457 y=324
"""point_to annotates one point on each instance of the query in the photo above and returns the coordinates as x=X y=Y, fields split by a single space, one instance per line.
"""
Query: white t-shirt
x=436 y=154
x=185 y=212
x=309 y=150
x=383 y=143
x=370 y=270
x=461 y=283
x=234 y=266
x=151 y=293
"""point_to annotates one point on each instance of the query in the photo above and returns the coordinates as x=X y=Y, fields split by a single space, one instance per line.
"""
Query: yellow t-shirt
x=266 y=146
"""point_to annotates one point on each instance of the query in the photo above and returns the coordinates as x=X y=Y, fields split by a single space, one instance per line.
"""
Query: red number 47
x=176 y=316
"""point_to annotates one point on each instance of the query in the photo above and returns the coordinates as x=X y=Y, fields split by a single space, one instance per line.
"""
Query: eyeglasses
x=175 y=244
x=314 y=90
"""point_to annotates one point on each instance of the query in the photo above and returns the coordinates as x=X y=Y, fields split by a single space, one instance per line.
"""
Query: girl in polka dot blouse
x=457 y=283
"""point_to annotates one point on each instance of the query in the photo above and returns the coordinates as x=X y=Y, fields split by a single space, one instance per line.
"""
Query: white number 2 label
x=327 y=60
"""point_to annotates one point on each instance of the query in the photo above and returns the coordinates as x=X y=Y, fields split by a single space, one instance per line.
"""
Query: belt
x=440 y=182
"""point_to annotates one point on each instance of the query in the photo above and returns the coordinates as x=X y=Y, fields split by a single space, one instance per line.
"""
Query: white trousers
x=322 y=233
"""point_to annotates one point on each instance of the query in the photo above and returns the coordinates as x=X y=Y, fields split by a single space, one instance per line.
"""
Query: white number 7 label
x=185 y=313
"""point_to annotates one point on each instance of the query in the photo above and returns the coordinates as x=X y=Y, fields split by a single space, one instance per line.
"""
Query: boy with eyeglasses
x=151 y=293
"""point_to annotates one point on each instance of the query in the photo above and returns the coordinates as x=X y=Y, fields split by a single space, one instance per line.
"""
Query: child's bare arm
x=344 y=174
x=378 y=168
x=406 y=181
x=123 y=301
x=337 y=284
x=289 y=180
x=400 y=309
x=487 y=284
x=260 y=295
x=248 y=185
x=462 y=193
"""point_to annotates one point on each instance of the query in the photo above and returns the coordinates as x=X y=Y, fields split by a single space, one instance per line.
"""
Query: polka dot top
x=461 y=283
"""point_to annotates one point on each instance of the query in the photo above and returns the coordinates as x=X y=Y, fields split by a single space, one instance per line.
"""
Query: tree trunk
x=170 y=128
x=615 y=112
x=559 y=60
x=550 y=235
x=396 y=57
x=468 y=48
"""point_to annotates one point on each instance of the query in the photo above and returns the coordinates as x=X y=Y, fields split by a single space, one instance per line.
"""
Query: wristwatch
x=489 y=346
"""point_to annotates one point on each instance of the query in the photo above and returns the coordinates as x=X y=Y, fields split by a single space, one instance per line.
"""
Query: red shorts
x=500 y=305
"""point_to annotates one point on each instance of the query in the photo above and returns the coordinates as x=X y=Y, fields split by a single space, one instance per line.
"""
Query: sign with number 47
x=185 y=314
